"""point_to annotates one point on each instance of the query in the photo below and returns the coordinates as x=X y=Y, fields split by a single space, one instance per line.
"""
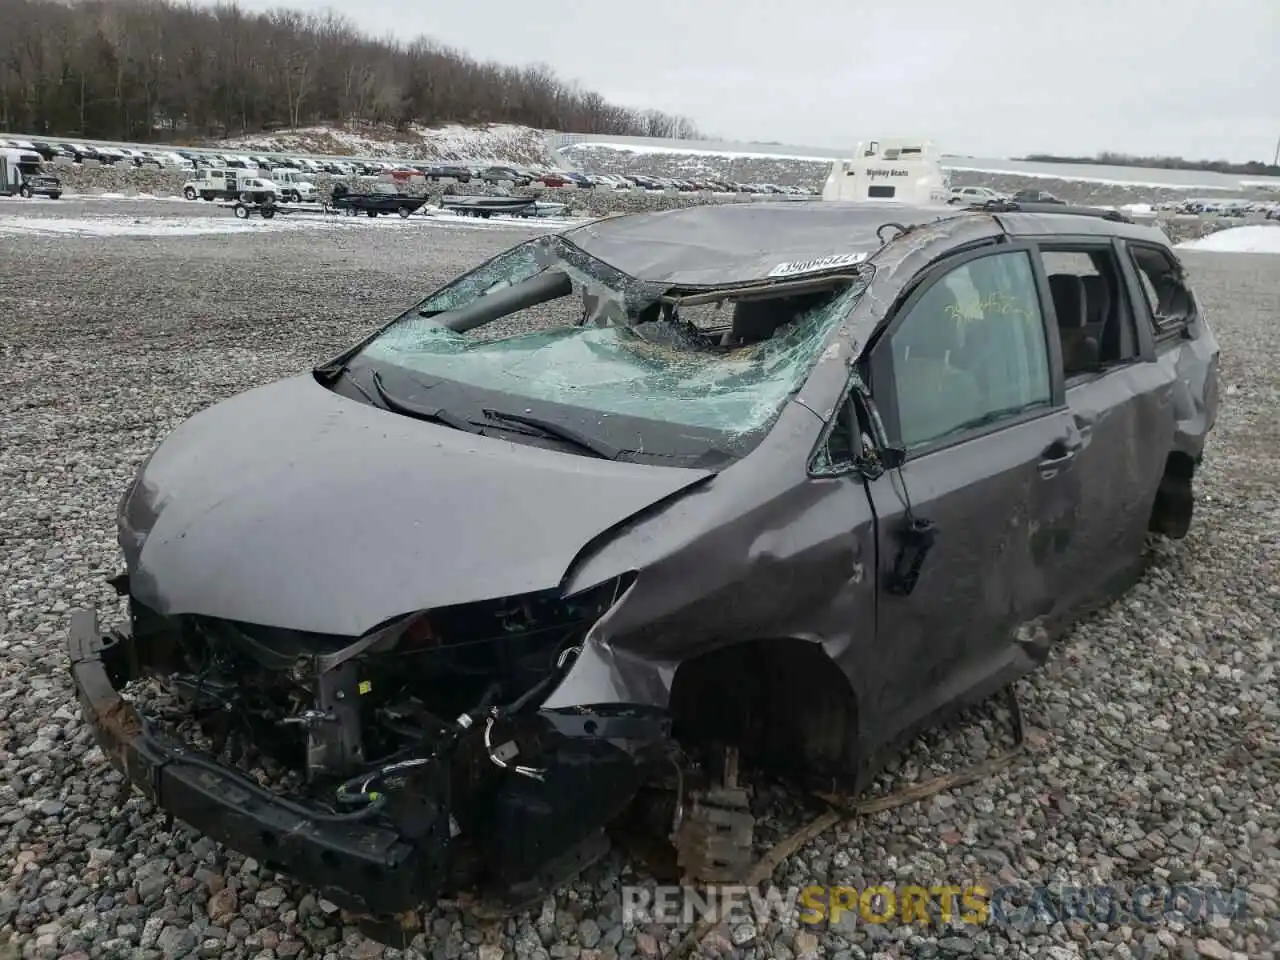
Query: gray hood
x=290 y=506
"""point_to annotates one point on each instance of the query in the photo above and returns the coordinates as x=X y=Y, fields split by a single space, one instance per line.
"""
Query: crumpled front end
x=384 y=771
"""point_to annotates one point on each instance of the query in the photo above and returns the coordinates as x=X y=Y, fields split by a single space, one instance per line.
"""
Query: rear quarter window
x=1170 y=303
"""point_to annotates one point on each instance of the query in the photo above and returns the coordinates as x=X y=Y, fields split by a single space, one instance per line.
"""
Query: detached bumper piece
x=362 y=867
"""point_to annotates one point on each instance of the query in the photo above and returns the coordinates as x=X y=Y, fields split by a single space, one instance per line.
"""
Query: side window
x=971 y=351
x=1170 y=302
x=1093 y=311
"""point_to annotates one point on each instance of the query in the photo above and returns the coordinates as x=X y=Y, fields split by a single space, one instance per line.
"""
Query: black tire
x=55 y=195
x=241 y=211
x=404 y=212
x=267 y=213
x=372 y=213
x=189 y=193
x=207 y=197
x=24 y=191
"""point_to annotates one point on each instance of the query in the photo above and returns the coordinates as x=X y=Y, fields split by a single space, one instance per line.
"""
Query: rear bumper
x=363 y=867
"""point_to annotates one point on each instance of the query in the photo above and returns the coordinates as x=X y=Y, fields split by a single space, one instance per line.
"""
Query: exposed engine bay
x=425 y=735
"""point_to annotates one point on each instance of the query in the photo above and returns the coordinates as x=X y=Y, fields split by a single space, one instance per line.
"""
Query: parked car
x=1036 y=196
x=499 y=174
x=164 y=159
x=975 y=195
x=612 y=180
x=78 y=152
x=478 y=584
x=50 y=151
x=448 y=171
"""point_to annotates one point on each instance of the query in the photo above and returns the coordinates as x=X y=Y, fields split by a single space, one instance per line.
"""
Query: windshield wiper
x=335 y=373
x=559 y=431
x=434 y=414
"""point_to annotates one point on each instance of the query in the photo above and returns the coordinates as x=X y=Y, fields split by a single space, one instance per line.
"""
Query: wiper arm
x=559 y=431
x=434 y=414
x=335 y=373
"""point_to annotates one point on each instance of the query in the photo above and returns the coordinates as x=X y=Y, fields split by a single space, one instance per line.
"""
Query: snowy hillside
x=495 y=142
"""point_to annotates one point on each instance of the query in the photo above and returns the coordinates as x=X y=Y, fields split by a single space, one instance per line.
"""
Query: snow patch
x=1252 y=239
x=124 y=226
x=136 y=226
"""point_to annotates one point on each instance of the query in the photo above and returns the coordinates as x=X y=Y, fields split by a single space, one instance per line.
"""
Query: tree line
x=154 y=70
x=1253 y=168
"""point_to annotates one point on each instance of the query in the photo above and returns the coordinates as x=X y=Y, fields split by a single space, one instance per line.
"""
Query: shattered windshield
x=546 y=323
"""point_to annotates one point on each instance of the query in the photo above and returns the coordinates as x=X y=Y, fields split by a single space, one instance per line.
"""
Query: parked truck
x=21 y=173
x=295 y=185
x=221 y=183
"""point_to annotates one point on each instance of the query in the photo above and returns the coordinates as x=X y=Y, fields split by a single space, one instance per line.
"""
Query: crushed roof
x=716 y=244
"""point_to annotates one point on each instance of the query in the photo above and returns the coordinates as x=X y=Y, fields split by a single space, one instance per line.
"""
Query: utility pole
x=1275 y=161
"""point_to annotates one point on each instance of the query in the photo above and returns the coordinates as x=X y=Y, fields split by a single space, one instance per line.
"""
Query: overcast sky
x=982 y=77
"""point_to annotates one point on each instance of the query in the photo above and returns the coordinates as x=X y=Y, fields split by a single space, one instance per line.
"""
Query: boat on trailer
x=483 y=206
x=900 y=169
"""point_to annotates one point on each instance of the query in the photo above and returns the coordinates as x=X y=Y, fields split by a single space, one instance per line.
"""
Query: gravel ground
x=1154 y=756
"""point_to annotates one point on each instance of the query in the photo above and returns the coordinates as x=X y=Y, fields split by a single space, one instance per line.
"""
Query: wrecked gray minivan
x=778 y=481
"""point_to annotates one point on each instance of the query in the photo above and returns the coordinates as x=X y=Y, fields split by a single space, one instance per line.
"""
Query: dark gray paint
x=293 y=507
x=734 y=243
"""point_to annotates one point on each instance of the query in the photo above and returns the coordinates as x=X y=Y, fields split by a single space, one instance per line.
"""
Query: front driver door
x=967 y=378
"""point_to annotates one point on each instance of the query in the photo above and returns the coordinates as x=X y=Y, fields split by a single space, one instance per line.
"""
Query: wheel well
x=783 y=702
x=1175 y=502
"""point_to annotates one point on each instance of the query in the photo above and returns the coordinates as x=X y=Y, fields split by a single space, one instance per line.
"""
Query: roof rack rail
x=1017 y=206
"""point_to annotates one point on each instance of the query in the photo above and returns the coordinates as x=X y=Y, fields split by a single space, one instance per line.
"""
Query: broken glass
x=515 y=265
x=613 y=369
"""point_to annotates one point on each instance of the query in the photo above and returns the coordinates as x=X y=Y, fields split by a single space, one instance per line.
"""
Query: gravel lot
x=1154 y=757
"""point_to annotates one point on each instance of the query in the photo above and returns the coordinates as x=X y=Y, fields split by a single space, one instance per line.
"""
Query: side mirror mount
x=893 y=457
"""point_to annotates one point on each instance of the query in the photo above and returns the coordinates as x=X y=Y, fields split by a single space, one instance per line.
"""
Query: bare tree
x=142 y=69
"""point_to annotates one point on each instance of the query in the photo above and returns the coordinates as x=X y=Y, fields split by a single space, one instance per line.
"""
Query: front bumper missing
x=363 y=867
x=370 y=867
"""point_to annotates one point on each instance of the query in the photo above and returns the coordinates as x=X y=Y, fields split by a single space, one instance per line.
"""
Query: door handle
x=1057 y=455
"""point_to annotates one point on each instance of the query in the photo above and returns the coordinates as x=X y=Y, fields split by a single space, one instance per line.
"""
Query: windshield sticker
x=818 y=263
